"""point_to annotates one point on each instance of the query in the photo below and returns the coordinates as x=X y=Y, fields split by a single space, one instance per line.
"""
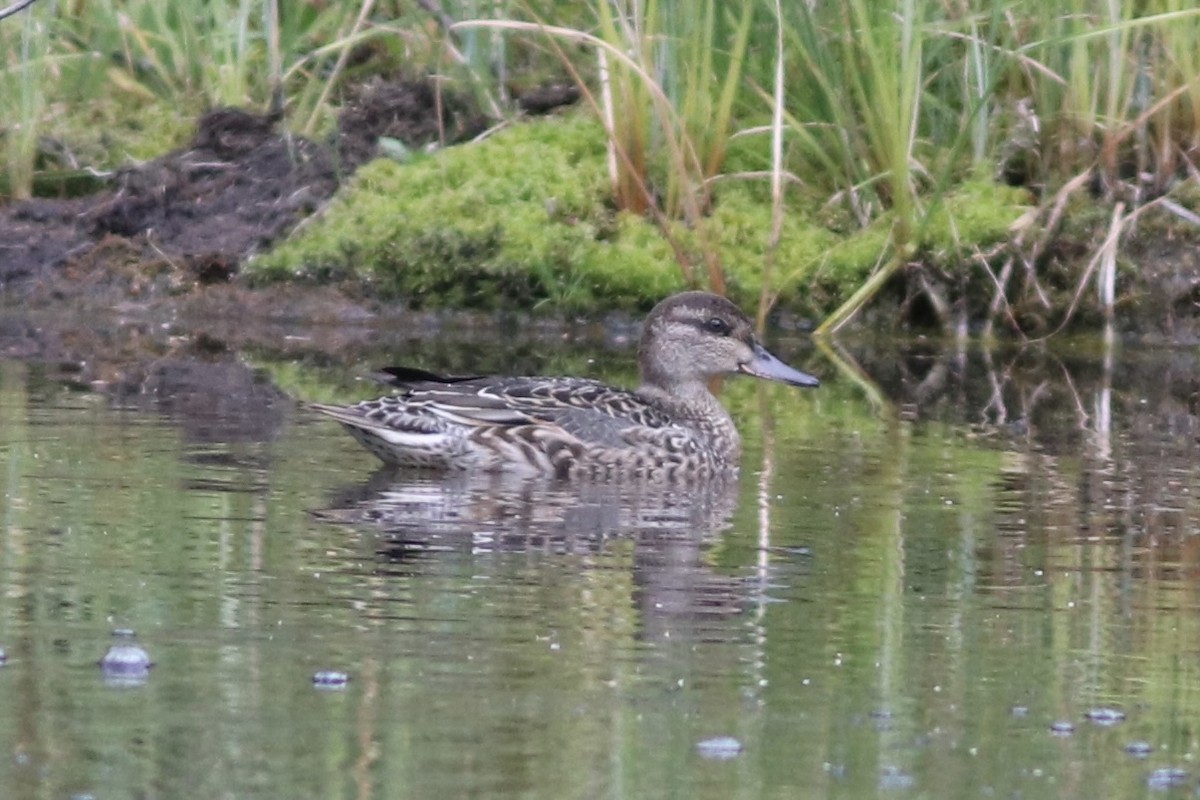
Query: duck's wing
x=587 y=410
x=590 y=411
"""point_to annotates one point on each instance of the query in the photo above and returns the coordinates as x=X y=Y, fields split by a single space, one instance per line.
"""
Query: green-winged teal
x=672 y=425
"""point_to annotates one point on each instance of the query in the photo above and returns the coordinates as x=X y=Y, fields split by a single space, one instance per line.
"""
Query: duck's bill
x=765 y=365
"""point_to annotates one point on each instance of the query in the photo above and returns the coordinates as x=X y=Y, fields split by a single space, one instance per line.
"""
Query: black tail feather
x=406 y=376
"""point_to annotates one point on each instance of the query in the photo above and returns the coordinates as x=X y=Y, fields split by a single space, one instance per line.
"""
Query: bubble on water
x=123 y=633
x=1019 y=711
x=1062 y=728
x=126 y=665
x=1167 y=778
x=125 y=658
x=1139 y=749
x=719 y=748
x=881 y=718
x=1104 y=716
x=895 y=778
x=3 y=657
x=330 y=679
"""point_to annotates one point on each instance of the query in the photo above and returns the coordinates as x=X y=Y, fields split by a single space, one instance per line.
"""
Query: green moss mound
x=518 y=220
x=523 y=219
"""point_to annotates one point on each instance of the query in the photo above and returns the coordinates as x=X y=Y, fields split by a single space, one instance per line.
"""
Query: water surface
x=928 y=565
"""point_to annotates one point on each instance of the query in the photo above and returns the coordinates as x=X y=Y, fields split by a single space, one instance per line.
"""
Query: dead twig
x=15 y=8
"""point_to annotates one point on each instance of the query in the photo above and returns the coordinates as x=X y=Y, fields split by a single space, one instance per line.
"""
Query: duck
x=670 y=426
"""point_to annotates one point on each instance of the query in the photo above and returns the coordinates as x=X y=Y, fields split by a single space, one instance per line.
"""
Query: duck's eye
x=717 y=326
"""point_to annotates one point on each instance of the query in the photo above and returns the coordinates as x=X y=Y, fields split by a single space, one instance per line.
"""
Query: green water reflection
x=915 y=577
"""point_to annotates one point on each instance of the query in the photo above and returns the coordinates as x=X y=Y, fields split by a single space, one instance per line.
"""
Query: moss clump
x=976 y=214
x=121 y=128
x=517 y=220
x=523 y=219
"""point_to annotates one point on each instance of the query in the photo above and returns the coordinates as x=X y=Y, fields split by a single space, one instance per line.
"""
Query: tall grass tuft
x=23 y=94
x=670 y=72
x=1116 y=87
x=222 y=52
x=858 y=112
x=1170 y=75
x=78 y=55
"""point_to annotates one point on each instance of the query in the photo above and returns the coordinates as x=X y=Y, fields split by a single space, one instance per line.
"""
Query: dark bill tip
x=765 y=365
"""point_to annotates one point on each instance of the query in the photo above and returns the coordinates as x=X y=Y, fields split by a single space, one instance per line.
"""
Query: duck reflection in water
x=478 y=515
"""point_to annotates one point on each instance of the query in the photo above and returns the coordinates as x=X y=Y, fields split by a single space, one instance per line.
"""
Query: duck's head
x=694 y=336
